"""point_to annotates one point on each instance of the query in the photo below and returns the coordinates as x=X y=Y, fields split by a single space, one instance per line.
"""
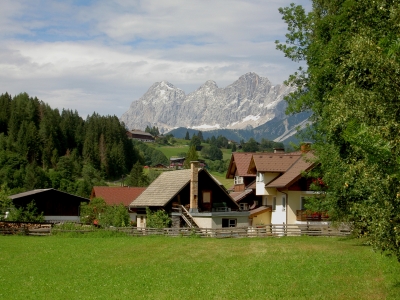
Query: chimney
x=279 y=150
x=305 y=147
x=194 y=187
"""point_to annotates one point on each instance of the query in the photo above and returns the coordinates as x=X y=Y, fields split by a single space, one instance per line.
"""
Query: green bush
x=99 y=213
x=157 y=219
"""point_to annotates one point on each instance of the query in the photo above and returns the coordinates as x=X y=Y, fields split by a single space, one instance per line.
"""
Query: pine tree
x=191 y=156
x=200 y=136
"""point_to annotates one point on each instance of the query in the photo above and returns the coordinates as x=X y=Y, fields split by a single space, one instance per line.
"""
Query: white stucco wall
x=278 y=215
x=140 y=221
x=214 y=220
x=260 y=185
x=294 y=204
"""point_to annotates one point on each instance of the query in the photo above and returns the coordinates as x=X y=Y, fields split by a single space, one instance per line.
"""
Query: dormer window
x=260 y=177
x=238 y=180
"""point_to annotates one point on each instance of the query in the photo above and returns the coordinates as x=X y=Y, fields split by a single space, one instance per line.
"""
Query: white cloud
x=103 y=55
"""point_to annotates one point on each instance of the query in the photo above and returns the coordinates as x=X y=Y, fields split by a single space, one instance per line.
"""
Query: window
x=303 y=201
x=274 y=203
x=238 y=180
x=206 y=197
x=283 y=203
x=229 y=222
x=244 y=206
x=260 y=177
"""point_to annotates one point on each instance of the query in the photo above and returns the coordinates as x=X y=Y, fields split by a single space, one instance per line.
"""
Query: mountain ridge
x=249 y=102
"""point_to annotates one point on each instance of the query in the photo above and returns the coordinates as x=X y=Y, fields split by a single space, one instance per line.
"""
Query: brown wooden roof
x=239 y=164
x=237 y=196
x=303 y=163
x=117 y=195
x=272 y=162
x=259 y=210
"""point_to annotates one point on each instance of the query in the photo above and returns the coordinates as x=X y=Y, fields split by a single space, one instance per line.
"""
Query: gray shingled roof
x=163 y=189
x=38 y=191
x=28 y=193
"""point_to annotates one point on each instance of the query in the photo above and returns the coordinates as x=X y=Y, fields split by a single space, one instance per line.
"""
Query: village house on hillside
x=272 y=187
x=140 y=135
x=57 y=206
x=192 y=197
x=244 y=184
x=283 y=189
x=118 y=195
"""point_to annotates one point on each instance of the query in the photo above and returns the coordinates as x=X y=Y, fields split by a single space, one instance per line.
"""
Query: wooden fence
x=25 y=228
x=276 y=230
x=264 y=231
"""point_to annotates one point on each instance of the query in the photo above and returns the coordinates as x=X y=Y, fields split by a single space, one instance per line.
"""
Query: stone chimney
x=194 y=187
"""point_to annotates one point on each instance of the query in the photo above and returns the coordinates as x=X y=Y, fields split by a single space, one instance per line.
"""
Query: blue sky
x=99 y=56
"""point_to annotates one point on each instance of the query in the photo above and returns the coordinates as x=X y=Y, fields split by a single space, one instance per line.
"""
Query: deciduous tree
x=351 y=85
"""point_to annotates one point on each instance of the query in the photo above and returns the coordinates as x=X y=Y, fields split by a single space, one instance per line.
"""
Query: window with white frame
x=229 y=222
x=274 y=203
x=238 y=180
x=260 y=177
x=283 y=203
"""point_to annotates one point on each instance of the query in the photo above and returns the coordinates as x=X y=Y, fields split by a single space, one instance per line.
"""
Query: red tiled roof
x=117 y=195
x=239 y=164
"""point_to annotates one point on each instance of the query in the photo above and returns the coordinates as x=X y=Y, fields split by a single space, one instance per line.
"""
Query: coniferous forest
x=41 y=147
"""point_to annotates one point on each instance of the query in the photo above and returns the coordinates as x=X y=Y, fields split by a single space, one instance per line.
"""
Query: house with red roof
x=282 y=186
x=118 y=195
x=244 y=184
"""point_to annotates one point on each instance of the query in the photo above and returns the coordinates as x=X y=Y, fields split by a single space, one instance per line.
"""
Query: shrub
x=157 y=219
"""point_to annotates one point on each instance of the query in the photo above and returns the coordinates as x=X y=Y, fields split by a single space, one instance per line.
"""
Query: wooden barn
x=56 y=205
x=140 y=135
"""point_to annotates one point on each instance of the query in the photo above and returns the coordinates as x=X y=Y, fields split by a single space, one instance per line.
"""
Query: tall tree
x=191 y=155
x=137 y=177
x=200 y=136
x=351 y=85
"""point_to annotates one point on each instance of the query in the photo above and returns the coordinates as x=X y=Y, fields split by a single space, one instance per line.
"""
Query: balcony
x=306 y=215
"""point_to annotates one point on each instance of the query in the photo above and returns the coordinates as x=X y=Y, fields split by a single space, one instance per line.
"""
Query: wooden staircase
x=187 y=217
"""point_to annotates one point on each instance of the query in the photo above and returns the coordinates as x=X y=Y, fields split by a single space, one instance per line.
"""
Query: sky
x=99 y=56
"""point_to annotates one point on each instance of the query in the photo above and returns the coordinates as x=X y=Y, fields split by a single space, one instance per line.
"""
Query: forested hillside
x=41 y=147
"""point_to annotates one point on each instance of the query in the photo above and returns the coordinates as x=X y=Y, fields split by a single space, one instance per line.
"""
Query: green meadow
x=95 y=267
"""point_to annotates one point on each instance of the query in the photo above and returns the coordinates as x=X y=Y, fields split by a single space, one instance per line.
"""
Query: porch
x=306 y=215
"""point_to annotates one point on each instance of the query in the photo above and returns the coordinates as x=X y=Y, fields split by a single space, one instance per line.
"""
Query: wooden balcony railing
x=306 y=215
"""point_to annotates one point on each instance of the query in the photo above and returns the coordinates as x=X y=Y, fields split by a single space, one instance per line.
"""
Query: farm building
x=55 y=205
x=140 y=135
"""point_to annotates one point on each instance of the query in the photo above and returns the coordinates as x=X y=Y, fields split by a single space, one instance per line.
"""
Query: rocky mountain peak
x=249 y=101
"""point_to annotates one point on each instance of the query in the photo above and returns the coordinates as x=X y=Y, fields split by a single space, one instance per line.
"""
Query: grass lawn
x=227 y=183
x=169 y=151
x=92 y=267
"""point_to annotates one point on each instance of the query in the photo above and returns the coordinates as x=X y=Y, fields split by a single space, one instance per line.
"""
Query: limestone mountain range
x=249 y=102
